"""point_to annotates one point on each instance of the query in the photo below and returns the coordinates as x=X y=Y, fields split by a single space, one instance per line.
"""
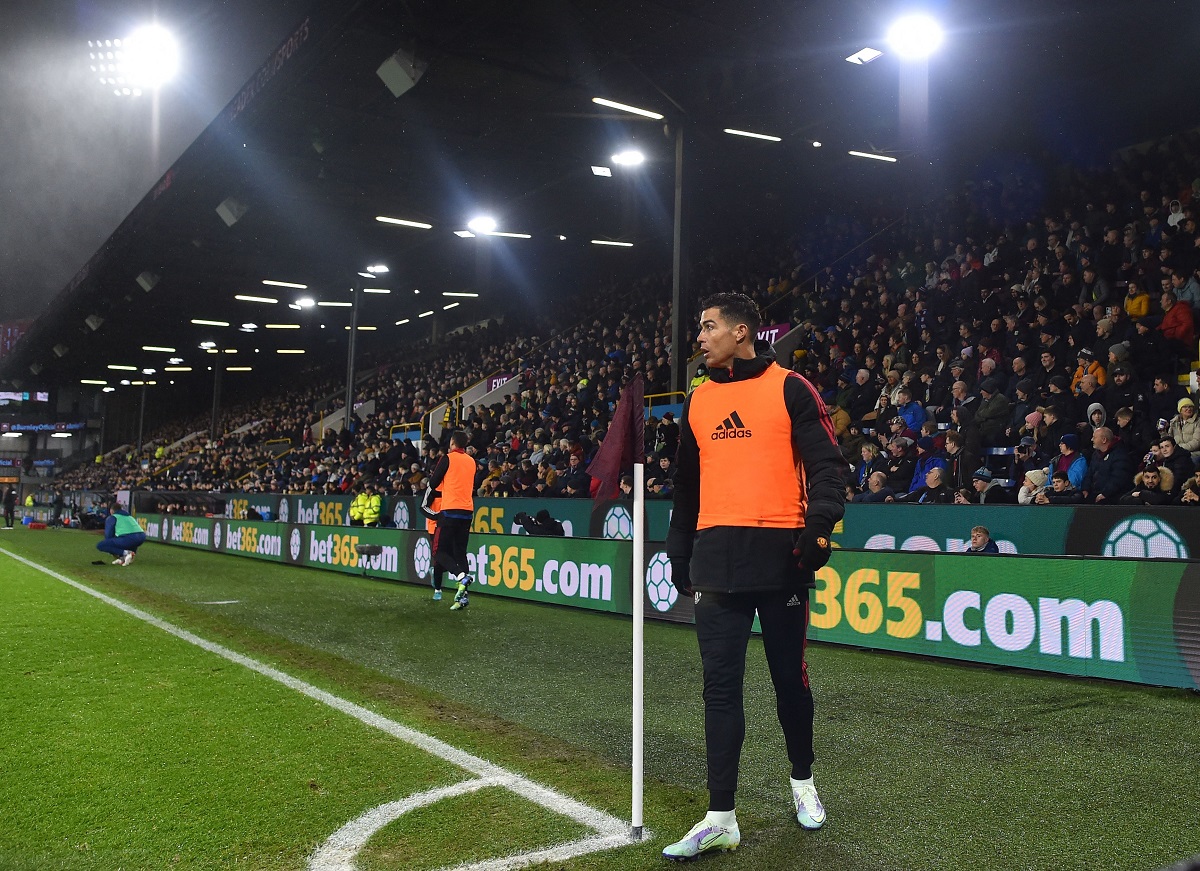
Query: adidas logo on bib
x=731 y=428
x=794 y=602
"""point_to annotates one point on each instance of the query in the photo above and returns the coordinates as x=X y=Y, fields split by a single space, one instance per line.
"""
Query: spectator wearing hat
x=993 y=414
x=1151 y=486
x=1109 y=471
x=1088 y=365
x=988 y=491
x=1033 y=484
x=900 y=464
x=668 y=435
x=1185 y=428
x=1070 y=460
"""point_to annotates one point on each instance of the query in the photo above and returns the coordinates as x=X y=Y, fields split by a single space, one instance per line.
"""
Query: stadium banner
x=1118 y=619
x=1091 y=530
x=1130 y=620
x=582 y=574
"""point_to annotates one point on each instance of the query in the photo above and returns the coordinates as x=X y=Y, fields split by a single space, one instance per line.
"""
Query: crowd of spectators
x=973 y=351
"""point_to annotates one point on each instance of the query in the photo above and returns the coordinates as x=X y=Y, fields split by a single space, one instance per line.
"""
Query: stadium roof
x=315 y=148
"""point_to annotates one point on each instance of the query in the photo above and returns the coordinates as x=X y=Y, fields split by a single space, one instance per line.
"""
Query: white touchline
x=611 y=832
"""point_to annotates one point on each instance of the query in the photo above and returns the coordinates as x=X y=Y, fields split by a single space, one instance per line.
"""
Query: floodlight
x=383 y=219
x=458 y=293
x=246 y=298
x=464 y=234
x=158 y=348
x=449 y=306
x=864 y=56
x=376 y=290
x=92 y=381
x=378 y=269
x=482 y=224
x=149 y=371
x=602 y=171
x=629 y=157
x=625 y=107
x=872 y=156
x=328 y=304
x=151 y=56
x=425 y=314
x=915 y=36
x=816 y=144
x=201 y=322
x=119 y=368
x=402 y=322
x=306 y=302
x=750 y=135
x=289 y=351
x=60 y=435
x=207 y=345
x=273 y=283
x=249 y=326
x=610 y=242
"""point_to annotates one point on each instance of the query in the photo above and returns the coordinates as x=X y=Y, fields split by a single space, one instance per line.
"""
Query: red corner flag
x=624 y=444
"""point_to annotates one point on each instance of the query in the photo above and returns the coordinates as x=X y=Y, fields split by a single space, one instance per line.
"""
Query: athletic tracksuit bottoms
x=450 y=545
x=723 y=623
x=121 y=543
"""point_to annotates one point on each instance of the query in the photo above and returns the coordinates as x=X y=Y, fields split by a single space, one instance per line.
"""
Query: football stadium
x=600 y=435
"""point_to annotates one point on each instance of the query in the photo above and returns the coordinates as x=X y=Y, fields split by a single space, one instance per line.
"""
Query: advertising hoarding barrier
x=1119 y=619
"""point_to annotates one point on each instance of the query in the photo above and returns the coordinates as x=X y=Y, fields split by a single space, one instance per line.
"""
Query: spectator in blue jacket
x=928 y=457
x=1110 y=473
x=909 y=409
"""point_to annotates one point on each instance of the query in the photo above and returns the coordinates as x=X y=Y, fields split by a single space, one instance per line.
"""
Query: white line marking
x=337 y=853
x=225 y=602
x=611 y=831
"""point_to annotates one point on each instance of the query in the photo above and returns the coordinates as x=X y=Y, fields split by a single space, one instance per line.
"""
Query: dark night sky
x=1069 y=76
x=76 y=158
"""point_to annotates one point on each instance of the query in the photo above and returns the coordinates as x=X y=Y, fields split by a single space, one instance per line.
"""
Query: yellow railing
x=407 y=427
x=158 y=472
x=679 y=395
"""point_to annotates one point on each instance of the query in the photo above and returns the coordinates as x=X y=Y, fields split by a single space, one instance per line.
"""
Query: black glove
x=812 y=548
x=681 y=576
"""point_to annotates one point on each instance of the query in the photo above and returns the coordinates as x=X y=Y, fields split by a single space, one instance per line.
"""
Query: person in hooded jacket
x=1151 y=486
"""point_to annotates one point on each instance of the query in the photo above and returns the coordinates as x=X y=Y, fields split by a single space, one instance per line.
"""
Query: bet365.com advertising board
x=574 y=572
x=1130 y=620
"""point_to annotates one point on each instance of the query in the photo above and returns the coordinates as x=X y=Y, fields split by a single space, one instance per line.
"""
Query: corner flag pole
x=639 y=568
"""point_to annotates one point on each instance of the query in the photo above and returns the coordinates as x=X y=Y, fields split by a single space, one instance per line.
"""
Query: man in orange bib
x=758 y=489
x=452 y=483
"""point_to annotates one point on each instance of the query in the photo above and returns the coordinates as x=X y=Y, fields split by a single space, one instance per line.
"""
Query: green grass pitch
x=126 y=747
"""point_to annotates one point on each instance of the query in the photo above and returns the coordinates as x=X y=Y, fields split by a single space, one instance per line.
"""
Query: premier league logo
x=400 y=516
x=659 y=589
x=283 y=510
x=216 y=536
x=422 y=558
x=294 y=544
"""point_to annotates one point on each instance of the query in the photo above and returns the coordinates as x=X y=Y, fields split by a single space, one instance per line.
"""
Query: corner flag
x=624 y=448
x=624 y=444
